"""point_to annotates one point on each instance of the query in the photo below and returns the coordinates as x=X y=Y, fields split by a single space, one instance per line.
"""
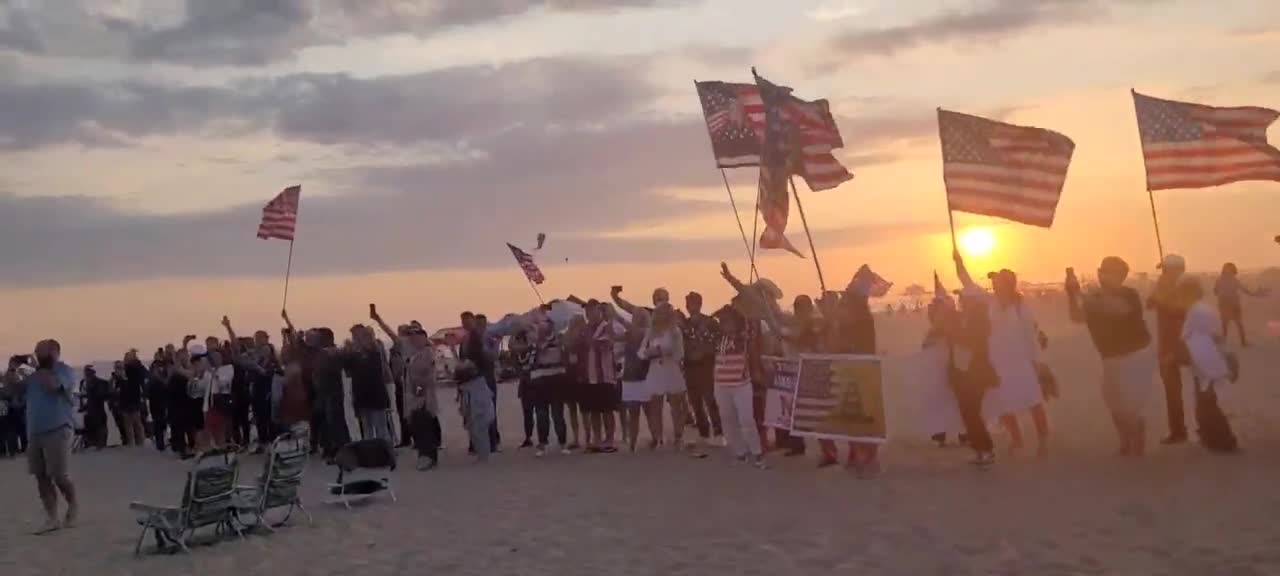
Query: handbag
x=1048 y=382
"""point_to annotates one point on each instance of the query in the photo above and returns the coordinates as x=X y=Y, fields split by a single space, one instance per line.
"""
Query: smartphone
x=617 y=287
x=373 y=310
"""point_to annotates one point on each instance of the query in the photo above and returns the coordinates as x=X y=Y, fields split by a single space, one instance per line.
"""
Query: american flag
x=836 y=397
x=814 y=402
x=1002 y=170
x=1194 y=146
x=280 y=215
x=735 y=117
x=525 y=260
x=775 y=168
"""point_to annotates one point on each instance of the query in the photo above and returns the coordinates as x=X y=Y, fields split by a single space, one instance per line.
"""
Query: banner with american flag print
x=839 y=397
x=735 y=118
x=1002 y=170
x=1189 y=145
x=782 y=376
x=777 y=154
x=280 y=215
x=530 y=268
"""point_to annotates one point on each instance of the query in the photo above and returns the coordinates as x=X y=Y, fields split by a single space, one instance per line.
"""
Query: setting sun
x=978 y=241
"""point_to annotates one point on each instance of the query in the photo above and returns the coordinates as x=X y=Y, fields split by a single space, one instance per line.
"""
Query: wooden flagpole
x=755 y=238
x=736 y=216
x=288 y=269
x=1156 y=221
x=535 y=289
x=812 y=250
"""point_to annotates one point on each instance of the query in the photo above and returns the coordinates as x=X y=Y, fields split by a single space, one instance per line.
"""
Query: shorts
x=1127 y=382
x=48 y=453
x=602 y=398
x=636 y=391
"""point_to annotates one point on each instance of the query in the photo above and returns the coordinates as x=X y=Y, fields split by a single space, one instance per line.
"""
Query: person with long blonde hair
x=663 y=346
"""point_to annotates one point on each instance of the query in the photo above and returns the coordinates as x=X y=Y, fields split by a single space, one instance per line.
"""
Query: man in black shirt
x=95 y=392
x=701 y=336
x=364 y=364
x=130 y=390
x=1113 y=314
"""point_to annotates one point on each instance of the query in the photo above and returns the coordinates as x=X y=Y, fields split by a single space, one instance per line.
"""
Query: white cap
x=1173 y=262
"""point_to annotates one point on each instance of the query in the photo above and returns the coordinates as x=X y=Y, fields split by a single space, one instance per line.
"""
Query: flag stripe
x=280 y=215
x=1002 y=170
x=527 y=265
x=1188 y=145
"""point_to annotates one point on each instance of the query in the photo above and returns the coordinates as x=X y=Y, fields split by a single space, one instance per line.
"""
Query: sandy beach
x=1081 y=511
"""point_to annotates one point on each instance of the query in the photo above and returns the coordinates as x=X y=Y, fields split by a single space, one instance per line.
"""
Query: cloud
x=450 y=105
x=109 y=115
x=991 y=20
x=250 y=33
x=229 y=32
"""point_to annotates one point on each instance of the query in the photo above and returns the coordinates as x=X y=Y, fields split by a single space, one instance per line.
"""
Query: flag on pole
x=1189 y=145
x=735 y=116
x=530 y=268
x=1002 y=170
x=867 y=281
x=280 y=215
x=775 y=167
x=939 y=293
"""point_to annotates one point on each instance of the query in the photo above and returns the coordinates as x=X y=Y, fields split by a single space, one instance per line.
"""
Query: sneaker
x=566 y=451
x=541 y=451
x=527 y=443
x=425 y=463
x=759 y=464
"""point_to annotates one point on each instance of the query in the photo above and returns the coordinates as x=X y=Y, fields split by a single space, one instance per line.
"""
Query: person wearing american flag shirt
x=737 y=366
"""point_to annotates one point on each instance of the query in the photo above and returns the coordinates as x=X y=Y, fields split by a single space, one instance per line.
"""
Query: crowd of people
x=597 y=378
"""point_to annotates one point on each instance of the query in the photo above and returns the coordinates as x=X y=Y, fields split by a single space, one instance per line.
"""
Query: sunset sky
x=139 y=140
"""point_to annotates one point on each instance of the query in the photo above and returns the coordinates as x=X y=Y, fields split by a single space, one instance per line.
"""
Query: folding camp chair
x=372 y=454
x=278 y=486
x=206 y=501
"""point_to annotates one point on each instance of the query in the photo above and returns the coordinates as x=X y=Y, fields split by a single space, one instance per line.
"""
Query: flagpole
x=745 y=244
x=755 y=238
x=288 y=269
x=812 y=250
x=535 y=290
x=1159 y=243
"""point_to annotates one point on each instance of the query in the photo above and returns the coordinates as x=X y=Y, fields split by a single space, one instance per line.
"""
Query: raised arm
x=1074 y=310
x=377 y=318
x=621 y=302
x=231 y=334
x=576 y=300
x=730 y=278
x=284 y=314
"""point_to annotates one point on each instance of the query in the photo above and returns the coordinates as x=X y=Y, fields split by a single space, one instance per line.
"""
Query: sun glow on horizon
x=978 y=242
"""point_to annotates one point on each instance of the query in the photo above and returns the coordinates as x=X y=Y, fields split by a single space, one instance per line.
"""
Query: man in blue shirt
x=50 y=428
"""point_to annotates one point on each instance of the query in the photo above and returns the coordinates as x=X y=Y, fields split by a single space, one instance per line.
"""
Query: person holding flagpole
x=1014 y=351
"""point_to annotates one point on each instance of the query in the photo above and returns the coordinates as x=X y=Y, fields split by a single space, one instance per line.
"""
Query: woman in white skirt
x=1014 y=350
x=664 y=348
x=635 y=389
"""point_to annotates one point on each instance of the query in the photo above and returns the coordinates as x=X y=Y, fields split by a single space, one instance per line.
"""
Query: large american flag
x=831 y=400
x=280 y=215
x=1195 y=146
x=530 y=268
x=776 y=162
x=735 y=118
x=1003 y=170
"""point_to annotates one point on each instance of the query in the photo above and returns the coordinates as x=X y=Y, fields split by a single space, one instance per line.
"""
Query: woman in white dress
x=1014 y=351
x=664 y=347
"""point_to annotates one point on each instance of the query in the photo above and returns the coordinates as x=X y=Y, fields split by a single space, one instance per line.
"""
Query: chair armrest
x=149 y=509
